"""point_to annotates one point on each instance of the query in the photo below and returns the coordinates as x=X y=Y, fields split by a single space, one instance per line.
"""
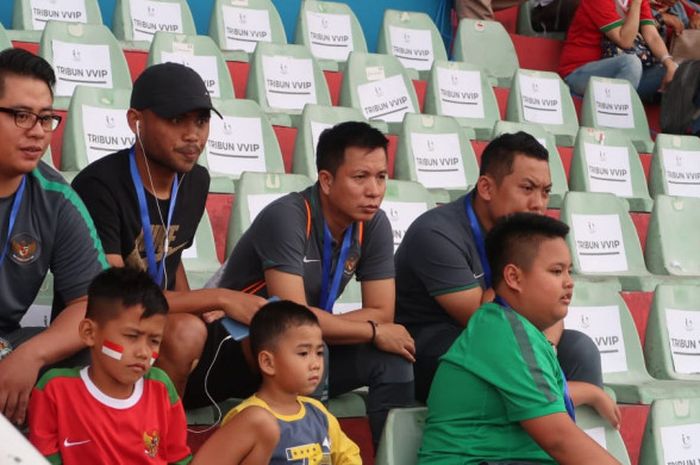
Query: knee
x=185 y=334
x=390 y=368
x=630 y=68
x=580 y=357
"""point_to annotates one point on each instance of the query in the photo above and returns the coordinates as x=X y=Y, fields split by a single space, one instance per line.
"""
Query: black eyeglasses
x=26 y=119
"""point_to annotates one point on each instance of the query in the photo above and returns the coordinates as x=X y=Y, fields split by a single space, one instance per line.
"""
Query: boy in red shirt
x=118 y=410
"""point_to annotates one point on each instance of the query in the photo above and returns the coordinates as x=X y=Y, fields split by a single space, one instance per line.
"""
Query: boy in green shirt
x=499 y=396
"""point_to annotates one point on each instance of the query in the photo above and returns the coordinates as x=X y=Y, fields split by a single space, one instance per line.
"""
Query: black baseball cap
x=170 y=89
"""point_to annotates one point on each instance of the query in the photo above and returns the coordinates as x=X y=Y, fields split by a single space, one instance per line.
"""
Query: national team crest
x=24 y=249
x=351 y=264
x=151 y=441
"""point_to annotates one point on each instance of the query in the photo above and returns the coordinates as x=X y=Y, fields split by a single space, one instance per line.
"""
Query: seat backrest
x=402 y=436
x=197 y=52
x=201 y=256
x=32 y=15
x=675 y=166
x=542 y=98
x=4 y=39
x=96 y=126
x=243 y=140
x=462 y=90
x=83 y=54
x=606 y=161
x=602 y=432
x=413 y=38
x=284 y=78
x=614 y=104
x=487 y=44
x=330 y=30
x=241 y=24
x=137 y=21
x=350 y=299
x=673 y=243
x=404 y=201
x=672 y=432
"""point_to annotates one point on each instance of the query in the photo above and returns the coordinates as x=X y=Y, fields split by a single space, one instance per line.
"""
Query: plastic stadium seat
x=331 y=31
x=487 y=44
x=671 y=347
x=39 y=313
x=462 y=90
x=402 y=436
x=253 y=192
x=83 y=54
x=601 y=432
x=284 y=78
x=30 y=16
x=237 y=26
x=672 y=433
x=614 y=104
x=598 y=310
x=379 y=86
x=542 y=98
x=605 y=161
x=96 y=126
x=434 y=151
x=350 y=299
x=200 y=260
x=413 y=38
x=404 y=201
x=675 y=166
x=4 y=39
x=136 y=21
x=525 y=28
x=556 y=168
x=603 y=241
x=48 y=158
x=197 y=52
x=242 y=141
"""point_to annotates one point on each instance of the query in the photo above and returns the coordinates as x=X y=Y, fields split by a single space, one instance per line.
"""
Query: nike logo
x=67 y=443
x=477 y=276
x=307 y=260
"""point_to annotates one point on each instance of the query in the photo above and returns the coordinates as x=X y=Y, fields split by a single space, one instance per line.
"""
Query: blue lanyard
x=478 y=239
x=154 y=270
x=14 y=211
x=568 y=403
x=328 y=296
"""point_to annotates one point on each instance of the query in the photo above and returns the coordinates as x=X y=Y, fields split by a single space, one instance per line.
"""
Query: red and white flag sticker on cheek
x=154 y=356
x=112 y=349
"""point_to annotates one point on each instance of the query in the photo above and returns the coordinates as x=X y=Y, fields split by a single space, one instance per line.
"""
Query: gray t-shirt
x=278 y=239
x=53 y=230
x=437 y=256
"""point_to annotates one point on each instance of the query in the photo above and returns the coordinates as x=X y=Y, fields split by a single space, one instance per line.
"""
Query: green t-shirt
x=500 y=370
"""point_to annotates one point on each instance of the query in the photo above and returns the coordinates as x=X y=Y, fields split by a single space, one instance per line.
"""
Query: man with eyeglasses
x=43 y=226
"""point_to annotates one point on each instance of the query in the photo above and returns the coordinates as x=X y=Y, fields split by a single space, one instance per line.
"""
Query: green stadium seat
x=614 y=104
x=30 y=16
x=524 y=24
x=542 y=98
x=402 y=436
x=598 y=310
x=4 y=38
x=435 y=151
x=135 y=22
x=603 y=241
x=487 y=44
x=672 y=433
x=675 y=166
x=413 y=38
x=197 y=52
x=284 y=78
x=379 y=86
x=200 y=260
x=462 y=90
x=601 y=432
x=253 y=192
x=83 y=54
x=350 y=299
x=238 y=25
x=331 y=31
x=404 y=201
x=39 y=313
x=556 y=168
x=96 y=126
x=242 y=141
x=606 y=161
x=48 y=158
x=671 y=344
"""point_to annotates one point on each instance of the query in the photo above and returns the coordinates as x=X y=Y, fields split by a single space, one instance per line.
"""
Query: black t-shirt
x=108 y=191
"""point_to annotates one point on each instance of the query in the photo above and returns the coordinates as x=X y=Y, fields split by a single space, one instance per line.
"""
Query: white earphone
x=138 y=128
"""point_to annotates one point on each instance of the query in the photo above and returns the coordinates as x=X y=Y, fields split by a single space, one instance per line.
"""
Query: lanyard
x=328 y=296
x=568 y=403
x=14 y=211
x=478 y=239
x=154 y=270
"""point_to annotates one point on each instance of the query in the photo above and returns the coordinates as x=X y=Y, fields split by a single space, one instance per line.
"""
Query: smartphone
x=239 y=331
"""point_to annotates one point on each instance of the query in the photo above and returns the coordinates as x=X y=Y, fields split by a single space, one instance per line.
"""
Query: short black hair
x=330 y=150
x=23 y=63
x=516 y=238
x=274 y=319
x=116 y=289
x=498 y=156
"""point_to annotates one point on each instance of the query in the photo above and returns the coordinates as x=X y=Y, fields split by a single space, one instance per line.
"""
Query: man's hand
x=239 y=306
x=671 y=68
x=674 y=22
x=394 y=338
x=694 y=21
x=18 y=374
x=607 y=408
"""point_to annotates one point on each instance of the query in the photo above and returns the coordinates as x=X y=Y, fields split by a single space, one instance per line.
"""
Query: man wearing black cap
x=147 y=201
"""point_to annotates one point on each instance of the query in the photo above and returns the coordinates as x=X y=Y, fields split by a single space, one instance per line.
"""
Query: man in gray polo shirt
x=43 y=225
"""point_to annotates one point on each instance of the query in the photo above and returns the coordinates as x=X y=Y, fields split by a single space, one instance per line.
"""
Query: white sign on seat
x=608 y=169
x=541 y=99
x=289 y=82
x=438 y=160
x=80 y=64
x=385 y=99
x=317 y=127
x=613 y=105
x=42 y=11
x=256 y=202
x=602 y=325
x=682 y=169
x=599 y=244
x=105 y=130
x=190 y=253
x=413 y=47
x=330 y=35
x=245 y=27
x=206 y=66
x=681 y=444
x=460 y=93
x=149 y=17
x=598 y=435
x=235 y=145
x=401 y=215
x=683 y=328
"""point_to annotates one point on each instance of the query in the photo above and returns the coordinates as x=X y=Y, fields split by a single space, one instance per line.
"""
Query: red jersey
x=72 y=422
x=592 y=20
